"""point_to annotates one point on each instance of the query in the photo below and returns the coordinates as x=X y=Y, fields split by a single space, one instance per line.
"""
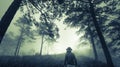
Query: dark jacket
x=70 y=59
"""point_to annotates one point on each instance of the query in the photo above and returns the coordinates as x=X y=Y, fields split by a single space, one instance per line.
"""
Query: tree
x=24 y=24
x=111 y=27
x=91 y=9
x=7 y=18
x=49 y=32
x=112 y=32
x=46 y=28
x=103 y=43
x=93 y=43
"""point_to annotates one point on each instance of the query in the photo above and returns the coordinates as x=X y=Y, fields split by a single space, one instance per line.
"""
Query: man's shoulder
x=72 y=53
x=69 y=54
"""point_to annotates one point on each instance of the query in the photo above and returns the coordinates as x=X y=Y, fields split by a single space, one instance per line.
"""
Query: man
x=70 y=60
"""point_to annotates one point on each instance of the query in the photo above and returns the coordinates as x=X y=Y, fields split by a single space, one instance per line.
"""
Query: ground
x=45 y=61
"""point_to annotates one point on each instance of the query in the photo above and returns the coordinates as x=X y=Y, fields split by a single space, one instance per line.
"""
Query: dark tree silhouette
x=113 y=33
x=103 y=43
x=111 y=27
x=91 y=11
x=7 y=18
x=92 y=41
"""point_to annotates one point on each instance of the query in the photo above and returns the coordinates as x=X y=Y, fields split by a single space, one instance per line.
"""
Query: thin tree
x=93 y=43
x=24 y=24
x=46 y=28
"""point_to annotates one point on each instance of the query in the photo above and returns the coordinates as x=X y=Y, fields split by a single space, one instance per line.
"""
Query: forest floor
x=45 y=61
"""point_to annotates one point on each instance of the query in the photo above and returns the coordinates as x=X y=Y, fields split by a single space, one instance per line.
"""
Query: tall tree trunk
x=7 y=18
x=18 y=44
x=101 y=37
x=93 y=43
x=41 y=45
x=18 y=51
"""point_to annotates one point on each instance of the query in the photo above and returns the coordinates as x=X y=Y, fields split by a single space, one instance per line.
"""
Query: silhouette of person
x=70 y=59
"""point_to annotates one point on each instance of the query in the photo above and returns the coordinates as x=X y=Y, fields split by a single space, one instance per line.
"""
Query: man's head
x=69 y=49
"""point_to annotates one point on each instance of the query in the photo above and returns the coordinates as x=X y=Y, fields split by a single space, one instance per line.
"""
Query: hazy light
x=68 y=38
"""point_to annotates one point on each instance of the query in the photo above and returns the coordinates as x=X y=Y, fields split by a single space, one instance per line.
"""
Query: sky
x=4 y=4
x=68 y=36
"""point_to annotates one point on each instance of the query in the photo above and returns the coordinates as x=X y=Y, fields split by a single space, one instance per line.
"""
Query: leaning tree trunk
x=93 y=43
x=7 y=18
x=41 y=45
x=101 y=37
x=18 y=44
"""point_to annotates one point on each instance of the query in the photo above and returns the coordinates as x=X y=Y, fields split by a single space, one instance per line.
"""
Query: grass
x=45 y=61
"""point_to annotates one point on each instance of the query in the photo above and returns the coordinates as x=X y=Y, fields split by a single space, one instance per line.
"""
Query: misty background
x=69 y=35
